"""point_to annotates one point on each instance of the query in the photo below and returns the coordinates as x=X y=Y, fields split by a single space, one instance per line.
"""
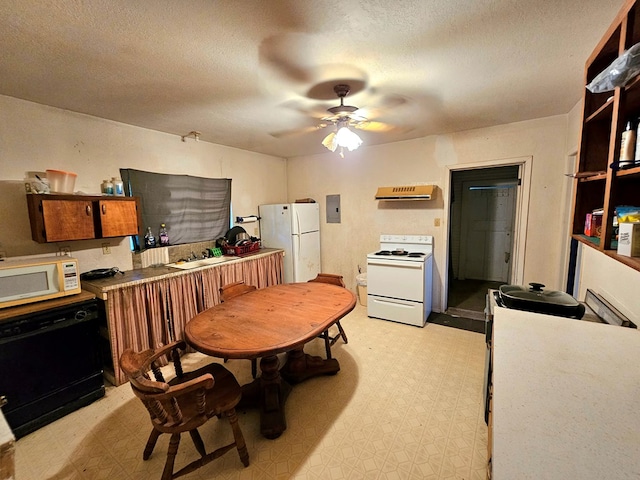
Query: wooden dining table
x=264 y=323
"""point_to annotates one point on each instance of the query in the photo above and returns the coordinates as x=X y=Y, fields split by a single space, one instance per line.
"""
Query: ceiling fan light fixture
x=330 y=141
x=347 y=138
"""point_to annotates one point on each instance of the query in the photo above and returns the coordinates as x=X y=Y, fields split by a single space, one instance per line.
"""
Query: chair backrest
x=231 y=290
x=164 y=402
x=329 y=278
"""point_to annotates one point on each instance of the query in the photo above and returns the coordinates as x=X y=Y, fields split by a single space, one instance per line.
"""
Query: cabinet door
x=118 y=218
x=67 y=220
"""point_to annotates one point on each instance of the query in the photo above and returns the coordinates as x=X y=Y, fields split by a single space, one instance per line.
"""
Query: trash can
x=361 y=281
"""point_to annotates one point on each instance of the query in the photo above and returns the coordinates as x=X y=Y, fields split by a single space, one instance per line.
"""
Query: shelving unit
x=604 y=117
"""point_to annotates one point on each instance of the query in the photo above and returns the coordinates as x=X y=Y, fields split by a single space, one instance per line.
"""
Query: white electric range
x=399 y=279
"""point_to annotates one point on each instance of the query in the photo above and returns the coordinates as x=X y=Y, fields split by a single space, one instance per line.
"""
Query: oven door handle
x=396 y=263
x=391 y=301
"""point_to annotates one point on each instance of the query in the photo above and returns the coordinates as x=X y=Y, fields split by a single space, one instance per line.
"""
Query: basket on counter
x=248 y=248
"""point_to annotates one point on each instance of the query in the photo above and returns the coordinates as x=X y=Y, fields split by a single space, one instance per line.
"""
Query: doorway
x=483 y=204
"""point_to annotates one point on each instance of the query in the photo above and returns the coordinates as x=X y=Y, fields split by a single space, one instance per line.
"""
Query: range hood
x=409 y=192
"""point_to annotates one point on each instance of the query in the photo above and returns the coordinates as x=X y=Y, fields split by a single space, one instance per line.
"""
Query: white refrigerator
x=295 y=228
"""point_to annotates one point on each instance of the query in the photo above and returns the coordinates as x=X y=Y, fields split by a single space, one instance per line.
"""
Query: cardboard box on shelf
x=593 y=225
x=629 y=239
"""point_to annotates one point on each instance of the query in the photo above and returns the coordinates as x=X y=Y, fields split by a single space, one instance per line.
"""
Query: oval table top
x=268 y=321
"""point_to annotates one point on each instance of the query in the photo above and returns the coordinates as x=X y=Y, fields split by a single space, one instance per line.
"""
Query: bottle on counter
x=107 y=187
x=118 y=186
x=163 y=235
x=149 y=239
x=627 y=146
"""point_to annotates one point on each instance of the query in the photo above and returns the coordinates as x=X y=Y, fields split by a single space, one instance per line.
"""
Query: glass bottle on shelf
x=107 y=187
x=164 y=235
x=118 y=186
x=637 y=155
x=149 y=239
x=627 y=146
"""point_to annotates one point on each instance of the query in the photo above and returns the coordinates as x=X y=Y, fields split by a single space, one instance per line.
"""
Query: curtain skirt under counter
x=155 y=313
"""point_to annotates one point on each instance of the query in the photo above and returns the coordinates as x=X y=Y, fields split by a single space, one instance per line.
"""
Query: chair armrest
x=166 y=349
x=205 y=381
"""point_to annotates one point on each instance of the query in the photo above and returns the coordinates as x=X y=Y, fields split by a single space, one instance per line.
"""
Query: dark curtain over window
x=195 y=209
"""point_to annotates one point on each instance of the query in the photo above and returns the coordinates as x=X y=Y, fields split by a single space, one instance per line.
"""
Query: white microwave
x=33 y=280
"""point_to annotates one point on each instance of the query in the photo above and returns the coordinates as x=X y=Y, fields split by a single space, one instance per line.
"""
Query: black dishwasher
x=51 y=364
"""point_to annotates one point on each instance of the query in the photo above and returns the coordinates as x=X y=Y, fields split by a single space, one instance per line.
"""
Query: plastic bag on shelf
x=628 y=214
x=619 y=73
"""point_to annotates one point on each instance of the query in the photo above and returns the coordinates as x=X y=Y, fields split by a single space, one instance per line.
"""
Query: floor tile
x=406 y=404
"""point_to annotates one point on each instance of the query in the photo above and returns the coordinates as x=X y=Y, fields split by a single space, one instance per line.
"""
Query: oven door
x=403 y=279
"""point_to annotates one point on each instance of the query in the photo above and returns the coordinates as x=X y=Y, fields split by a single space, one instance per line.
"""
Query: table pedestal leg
x=268 y=392
x=301 y=366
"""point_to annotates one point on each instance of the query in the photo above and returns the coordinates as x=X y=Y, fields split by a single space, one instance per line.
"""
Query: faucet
x=192 y=257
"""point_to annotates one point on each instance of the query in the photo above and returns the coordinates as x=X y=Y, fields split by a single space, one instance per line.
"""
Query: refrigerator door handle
x=296 y=221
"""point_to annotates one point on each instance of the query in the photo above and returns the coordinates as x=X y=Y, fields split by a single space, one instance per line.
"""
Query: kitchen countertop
x=149 y=274
x=566 y=398
x=35 y=307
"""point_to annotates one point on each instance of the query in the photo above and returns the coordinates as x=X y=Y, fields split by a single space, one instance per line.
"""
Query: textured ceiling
x=258 y=74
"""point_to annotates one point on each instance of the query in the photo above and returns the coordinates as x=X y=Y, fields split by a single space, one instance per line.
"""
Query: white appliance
x=399 y=279
x=295 y=228
x=35 y=279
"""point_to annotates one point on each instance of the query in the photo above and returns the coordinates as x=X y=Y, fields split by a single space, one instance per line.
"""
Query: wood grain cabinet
x=604 y=118
x=57 y=218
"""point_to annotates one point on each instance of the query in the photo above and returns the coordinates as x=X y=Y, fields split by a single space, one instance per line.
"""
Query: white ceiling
x=241 y=70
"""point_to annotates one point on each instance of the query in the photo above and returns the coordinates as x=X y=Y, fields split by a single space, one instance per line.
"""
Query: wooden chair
x=328 y=339
x=231 y=290
x=235 y=289
x=184 y=403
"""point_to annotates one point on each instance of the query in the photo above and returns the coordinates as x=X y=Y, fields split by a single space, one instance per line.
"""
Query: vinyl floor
x=406 y=404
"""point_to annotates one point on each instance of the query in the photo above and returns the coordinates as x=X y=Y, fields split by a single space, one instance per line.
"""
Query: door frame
x=525 y=165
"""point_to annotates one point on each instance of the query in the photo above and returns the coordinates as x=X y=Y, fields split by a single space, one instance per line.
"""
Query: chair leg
x=151 y=443
x=254 y=367
x=327 y=343
x=197 y=441
x=167 y=474
x=341 y=334
x=237 y=435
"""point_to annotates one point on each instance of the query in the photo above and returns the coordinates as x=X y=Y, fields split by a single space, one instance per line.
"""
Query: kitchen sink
x=198 y=263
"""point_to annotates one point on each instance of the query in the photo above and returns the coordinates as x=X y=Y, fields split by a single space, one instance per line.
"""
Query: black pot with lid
x=236 y=233
x=535 y=299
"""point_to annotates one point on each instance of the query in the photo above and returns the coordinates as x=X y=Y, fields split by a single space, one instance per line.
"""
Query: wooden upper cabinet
x=67 y=220
x=58 y=218
x=118 y=218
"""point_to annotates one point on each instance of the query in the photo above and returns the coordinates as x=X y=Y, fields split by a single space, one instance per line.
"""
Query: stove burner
x=383 y=252
x=416 y=254
x=399 y=252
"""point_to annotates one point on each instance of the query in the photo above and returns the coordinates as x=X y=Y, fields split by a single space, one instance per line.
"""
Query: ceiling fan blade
x=382 y=106
x=372 y=126
x=297 y=131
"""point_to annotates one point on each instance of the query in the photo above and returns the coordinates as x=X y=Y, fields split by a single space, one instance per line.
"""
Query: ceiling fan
x=342 y=116
x=343 y=112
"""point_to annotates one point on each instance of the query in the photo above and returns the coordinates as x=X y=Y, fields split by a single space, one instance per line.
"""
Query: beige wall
x=356 y=177
x=35 y=137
